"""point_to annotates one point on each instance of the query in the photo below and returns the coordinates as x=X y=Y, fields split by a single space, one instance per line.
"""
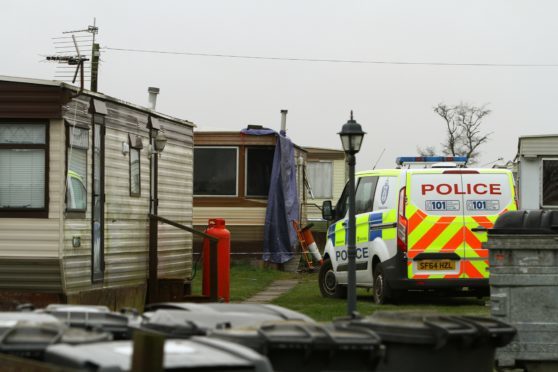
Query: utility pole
x=95 y=54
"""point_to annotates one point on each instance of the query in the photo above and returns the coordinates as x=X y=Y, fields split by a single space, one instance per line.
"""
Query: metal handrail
x=153 y=257
x=184 y=227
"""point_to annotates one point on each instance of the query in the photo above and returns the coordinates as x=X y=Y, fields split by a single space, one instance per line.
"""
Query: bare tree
x=462 y=129
x=426 y=151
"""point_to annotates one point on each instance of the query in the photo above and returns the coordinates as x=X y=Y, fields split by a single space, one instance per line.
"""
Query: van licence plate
x=433 y=265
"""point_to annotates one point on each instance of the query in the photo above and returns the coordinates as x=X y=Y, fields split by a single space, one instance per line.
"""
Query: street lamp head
x=160 y=142
x=351 y=136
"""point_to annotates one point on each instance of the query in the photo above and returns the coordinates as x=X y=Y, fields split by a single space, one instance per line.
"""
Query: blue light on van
x=430 y=159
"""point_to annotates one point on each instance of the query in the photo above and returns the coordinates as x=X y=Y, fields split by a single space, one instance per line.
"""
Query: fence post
x=148 y=353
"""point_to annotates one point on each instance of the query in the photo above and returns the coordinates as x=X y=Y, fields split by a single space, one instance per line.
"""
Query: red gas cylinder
x=216 y=228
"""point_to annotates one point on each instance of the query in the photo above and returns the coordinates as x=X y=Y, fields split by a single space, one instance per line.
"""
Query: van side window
x=342 y=206
x=364 y=198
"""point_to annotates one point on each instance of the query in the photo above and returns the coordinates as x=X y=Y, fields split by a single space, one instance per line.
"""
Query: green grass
x=306 y=298
x=246 y=280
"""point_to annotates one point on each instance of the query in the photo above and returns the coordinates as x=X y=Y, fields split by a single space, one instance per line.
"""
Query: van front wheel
x=328 y=282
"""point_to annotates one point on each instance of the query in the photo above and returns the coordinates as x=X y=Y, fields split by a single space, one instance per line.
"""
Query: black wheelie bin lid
x=277 y=312
x=92 y=317
x=197 y=353
x=303 y=346
x=432 y=342
x=183 y=324
x=526 y=222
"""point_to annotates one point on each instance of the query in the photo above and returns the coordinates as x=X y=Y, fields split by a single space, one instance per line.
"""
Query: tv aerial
x=73 y=61
x=77 y=60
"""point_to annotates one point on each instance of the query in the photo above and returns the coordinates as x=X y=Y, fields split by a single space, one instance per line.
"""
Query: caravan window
x=136 y=144
x=550 y=182
x=259 y=163
x=320 y=178
x=215 y=171
x=76 y=192
x=23 y=169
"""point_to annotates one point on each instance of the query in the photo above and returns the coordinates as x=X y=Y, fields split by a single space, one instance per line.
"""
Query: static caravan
x=79 y=176
x=232 y=173
x=326 y=173
x=537 y=176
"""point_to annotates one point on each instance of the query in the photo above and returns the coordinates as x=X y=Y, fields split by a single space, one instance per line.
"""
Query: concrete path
x=275 y=289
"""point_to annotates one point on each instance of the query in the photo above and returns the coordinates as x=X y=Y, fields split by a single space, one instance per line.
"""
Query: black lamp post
x=351 y=137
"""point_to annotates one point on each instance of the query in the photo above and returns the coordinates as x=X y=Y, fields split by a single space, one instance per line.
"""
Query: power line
x=329 y=60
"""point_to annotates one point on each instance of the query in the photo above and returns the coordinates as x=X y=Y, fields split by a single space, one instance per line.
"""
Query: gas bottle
x=216 y=227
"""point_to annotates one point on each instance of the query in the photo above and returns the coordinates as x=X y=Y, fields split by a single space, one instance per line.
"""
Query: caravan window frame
x=323 y=177
x=136 y=145
x=42 y=212
x=237 y=175
x=76 y=212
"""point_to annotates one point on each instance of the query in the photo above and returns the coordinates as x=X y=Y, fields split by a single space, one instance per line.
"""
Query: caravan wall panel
x=175 y=201
x=29 y=248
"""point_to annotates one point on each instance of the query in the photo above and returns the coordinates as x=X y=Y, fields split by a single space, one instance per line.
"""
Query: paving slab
x=274 y=290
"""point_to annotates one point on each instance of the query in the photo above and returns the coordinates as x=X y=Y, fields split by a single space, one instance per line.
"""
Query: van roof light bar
x=459 y=160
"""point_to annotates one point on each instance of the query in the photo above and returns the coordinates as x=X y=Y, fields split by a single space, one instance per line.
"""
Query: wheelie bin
x=428 y=342
x=196 y=354
x=302 y=346
x=523 y=257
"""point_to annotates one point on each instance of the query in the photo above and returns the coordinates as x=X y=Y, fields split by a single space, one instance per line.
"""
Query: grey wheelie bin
x=184 y=324
x=196 y=354
x=523 y=254
x=259 y=311
x=419 y=342
x=92 y=318
x=30 y=339
x=302 y=346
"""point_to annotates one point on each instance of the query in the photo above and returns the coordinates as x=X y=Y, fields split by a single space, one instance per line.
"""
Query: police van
x=417 y=228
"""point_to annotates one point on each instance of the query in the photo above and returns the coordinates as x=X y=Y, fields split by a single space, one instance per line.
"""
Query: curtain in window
x=22 y=178
x=22 y=133
x=22 y=169
x=320 y=177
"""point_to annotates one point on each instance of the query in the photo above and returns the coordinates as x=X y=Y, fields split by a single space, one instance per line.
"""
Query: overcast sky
x=393 y=102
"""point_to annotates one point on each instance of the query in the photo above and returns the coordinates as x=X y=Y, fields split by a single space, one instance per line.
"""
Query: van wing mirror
x=328 y=213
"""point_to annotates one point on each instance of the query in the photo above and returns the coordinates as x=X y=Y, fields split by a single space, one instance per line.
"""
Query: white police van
x=417 y=228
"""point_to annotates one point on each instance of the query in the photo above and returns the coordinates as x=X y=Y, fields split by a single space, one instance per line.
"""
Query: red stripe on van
x=472 y=240
x=483 y=221
x=461 y=172
x=416 y=219
x=471 y=270
x=456 y=242
x=433 y=233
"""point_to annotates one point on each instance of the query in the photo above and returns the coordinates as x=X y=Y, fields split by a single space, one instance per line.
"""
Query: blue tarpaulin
x=282 y=203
